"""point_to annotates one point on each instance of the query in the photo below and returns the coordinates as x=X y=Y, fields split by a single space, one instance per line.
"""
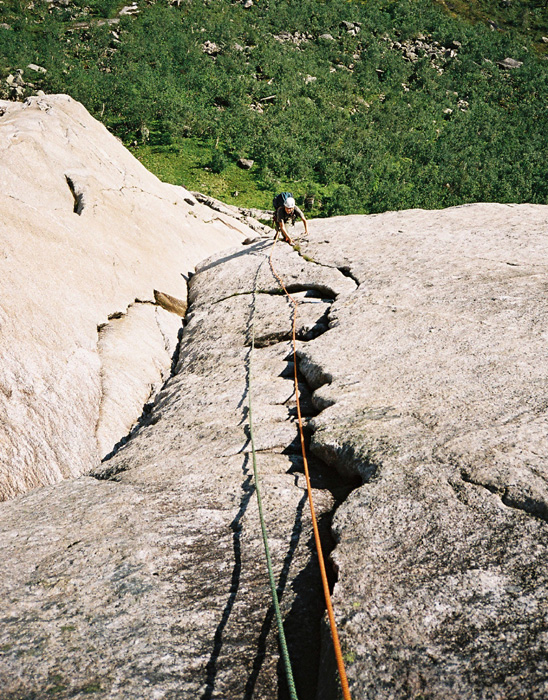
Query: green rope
x=274 y=592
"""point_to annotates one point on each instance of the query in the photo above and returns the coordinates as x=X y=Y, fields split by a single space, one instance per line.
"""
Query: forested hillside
x=367 y=106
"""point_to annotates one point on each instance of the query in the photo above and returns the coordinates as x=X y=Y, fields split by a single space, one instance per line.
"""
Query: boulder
x=36 y=68
x=246 y=163
x=211 y=48
x=132 y=9
x=509 y=63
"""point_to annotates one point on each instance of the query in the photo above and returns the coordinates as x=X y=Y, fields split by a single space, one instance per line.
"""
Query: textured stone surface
x=85 y=232
x=432 y=378
x=427 y=394
x=150 y=581
x=135 y=351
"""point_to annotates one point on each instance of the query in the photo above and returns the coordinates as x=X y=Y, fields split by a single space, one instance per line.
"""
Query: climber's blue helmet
x=289 y=203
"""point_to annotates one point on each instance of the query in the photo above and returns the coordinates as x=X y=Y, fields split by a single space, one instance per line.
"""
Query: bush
x=342 y=201
x=218 y=162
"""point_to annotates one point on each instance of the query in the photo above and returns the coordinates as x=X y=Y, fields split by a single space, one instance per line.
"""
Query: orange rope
x=327 y=594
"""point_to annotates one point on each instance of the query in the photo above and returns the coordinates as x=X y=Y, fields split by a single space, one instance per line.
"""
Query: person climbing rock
x=285 y=210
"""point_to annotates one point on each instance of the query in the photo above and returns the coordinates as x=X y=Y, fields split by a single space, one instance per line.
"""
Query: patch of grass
x=349 y=657
x=186 y=163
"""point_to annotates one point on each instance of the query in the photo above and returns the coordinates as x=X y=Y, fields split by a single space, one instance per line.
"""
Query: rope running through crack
x=325 y=583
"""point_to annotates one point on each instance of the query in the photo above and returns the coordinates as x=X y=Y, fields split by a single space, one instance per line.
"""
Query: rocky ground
x=421 y=356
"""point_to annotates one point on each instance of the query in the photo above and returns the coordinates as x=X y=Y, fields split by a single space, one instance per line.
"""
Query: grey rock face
x=149 y=580
x=135 y=350
x=245 y=163
x=431 y=382
x=510 y=63
x=247 y=216
x=422 y=362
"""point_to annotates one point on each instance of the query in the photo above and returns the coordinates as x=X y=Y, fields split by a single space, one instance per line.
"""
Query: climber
x=287 y=211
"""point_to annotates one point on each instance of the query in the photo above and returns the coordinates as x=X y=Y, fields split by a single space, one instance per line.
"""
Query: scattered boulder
x=15 y=87
x=245 y=163
x=18 y=78
x=211 y=48
x=37 y=69
x=110 y=22
x=509 y=63
x=132 y=9
x=352 y=28
x=296 y=38
x=413 y=49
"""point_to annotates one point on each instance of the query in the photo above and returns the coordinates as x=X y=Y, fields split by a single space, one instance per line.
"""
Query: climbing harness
x=325 y=583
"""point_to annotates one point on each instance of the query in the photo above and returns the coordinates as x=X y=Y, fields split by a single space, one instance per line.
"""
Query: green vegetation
x=91 y=688
x=403 y=104
x=529 y=18
x=56 y=684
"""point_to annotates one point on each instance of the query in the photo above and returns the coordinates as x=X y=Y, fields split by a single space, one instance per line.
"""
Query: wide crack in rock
x=223 y=327
x=430 y=383
x=163 y=565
